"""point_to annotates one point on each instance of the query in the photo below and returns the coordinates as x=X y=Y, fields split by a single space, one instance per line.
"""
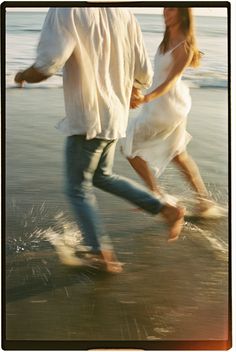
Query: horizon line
x=204 y=11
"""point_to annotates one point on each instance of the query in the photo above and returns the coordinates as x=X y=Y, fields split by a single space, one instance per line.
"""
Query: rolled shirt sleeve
x=57 y=41
x=143 y=72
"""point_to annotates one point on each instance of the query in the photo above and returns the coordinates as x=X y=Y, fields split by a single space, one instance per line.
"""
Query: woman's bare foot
x=209 y=209
x=175 y=218
x=205 y=204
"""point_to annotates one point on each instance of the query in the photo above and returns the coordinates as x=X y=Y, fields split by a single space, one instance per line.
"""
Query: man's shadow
x=31 y=274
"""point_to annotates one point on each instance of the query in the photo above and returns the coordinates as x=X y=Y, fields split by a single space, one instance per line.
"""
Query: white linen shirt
x=103 y=56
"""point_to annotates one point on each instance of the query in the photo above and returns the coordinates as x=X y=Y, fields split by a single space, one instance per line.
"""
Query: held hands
x=137 y=98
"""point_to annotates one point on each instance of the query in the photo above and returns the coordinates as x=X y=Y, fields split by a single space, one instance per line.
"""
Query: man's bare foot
x=175 y=218
x=112 y=263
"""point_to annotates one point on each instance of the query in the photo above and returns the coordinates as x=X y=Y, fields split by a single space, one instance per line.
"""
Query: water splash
x=218 y=245
x=39 y=231
x=63 y=230
x=35 y=246
x=66 y=240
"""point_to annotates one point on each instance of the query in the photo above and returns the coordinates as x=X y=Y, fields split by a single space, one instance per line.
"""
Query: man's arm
x=56 y=44
x=30 y=75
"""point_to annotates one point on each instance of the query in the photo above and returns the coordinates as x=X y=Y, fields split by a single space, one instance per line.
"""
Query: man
x=104 y=62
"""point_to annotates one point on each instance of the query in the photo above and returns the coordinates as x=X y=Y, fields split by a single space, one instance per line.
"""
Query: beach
x=167 y=292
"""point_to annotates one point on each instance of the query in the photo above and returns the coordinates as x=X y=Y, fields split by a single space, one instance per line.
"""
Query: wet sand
x=167 y=293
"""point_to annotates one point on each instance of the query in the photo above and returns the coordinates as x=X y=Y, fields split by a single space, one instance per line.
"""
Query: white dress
x=159 y=133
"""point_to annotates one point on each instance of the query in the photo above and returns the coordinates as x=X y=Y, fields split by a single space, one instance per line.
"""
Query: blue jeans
x=89 y=163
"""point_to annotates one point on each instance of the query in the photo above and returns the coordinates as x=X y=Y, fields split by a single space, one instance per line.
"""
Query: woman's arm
x=182 y=59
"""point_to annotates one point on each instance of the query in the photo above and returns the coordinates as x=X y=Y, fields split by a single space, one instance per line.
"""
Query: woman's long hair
x=187 y=26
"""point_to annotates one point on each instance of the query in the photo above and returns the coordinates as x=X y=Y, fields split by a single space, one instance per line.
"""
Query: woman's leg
x=129 y=190
x=192 y=173
x=142 y=169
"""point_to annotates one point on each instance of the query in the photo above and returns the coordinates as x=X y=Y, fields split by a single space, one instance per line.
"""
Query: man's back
x=103 y=55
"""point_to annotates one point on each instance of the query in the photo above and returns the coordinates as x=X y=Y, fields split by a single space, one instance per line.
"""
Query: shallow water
x=166 y=292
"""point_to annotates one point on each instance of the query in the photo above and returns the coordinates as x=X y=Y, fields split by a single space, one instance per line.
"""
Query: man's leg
x=82 y=159
x=122 y=186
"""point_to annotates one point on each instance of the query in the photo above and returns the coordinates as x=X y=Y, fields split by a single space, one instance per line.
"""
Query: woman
x=158 y=135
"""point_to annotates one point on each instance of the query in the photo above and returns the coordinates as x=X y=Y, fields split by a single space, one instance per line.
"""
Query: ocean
x=23 y=31
x=167 y=293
